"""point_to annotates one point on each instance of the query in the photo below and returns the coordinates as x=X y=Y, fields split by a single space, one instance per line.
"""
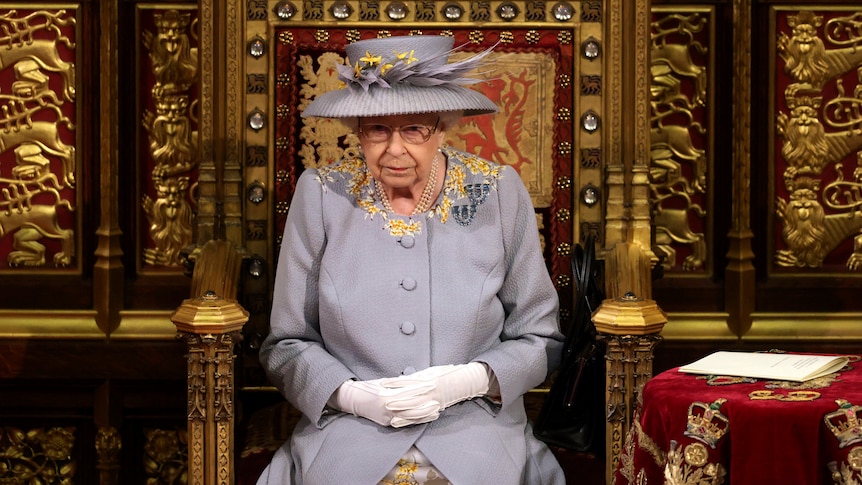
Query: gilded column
x=211 y=323
x=739 y=273
x=628 y=321
x=208 y=224
x=108 y=271
x=233 y=88
x=615 y=168
x=210 y=326
x=630 y=328
x=627 y=182
x=628 y=218
x=640 y=222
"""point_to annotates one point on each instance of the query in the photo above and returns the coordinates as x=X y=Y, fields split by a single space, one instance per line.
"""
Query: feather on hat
x=403 y=75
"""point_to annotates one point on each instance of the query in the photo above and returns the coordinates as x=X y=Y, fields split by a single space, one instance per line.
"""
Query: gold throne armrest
x=210 y=323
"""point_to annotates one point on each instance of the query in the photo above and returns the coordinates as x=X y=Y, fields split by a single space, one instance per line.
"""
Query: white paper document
x=763 y=365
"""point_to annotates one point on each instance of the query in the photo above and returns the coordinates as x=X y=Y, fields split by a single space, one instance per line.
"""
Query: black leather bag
x=573 y=414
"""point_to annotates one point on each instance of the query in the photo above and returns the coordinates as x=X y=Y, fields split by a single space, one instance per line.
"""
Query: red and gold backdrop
x=754 y=180
x=805 y=179
x=167 y=142
x=681 y=139
x=530 y=79
x=40 y=218
x=112 y=161
x=547 y=76
x=77 y=187
x=817 y=158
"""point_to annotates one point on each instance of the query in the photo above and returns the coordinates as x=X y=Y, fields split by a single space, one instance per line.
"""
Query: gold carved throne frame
x=573 y=120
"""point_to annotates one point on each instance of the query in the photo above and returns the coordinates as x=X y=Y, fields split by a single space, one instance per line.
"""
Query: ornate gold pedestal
x=629 y=326
x=210 y=325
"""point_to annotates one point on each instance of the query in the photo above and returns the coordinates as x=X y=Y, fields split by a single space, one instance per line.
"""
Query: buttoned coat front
x=362 y=294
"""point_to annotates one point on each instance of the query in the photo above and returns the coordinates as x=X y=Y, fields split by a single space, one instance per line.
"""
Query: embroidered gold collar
x=469 y=179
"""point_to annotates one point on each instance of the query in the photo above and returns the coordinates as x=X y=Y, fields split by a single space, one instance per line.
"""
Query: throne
x=550 y=89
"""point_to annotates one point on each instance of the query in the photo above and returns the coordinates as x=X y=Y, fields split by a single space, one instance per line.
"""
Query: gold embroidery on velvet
x=793 y=396
x=848 y=473
x=854 y=458
x=647 y=444
x=844 y=423
x=679 y=472
x=817 y=383
x=706 y=423
x=696 y=454
x=626 y=465
x=727 y=380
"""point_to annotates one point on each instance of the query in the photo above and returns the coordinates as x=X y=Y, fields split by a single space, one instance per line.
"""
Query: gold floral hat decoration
x=403 y=75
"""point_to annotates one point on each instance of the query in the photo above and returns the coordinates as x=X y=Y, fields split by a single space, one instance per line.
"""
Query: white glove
x=451 y=384
x=370 y=400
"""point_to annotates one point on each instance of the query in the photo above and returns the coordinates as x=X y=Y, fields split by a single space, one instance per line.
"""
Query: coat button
x=407 y=242
x=407 y=328
x=408 y=284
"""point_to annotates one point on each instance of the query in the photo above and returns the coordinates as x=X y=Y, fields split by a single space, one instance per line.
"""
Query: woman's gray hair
x=448 y=119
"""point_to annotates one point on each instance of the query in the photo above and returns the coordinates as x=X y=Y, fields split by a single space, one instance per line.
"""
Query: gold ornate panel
x=167 y=141
x=165 y=459
x=681 y=138
x=782 y=106
x=40 y=221
x=816 y=166
x=37 y=455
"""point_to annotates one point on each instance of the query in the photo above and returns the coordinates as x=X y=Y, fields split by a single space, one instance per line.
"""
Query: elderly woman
x=412 y=306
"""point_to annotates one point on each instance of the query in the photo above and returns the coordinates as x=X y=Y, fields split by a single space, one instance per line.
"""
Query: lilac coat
x=359 y=295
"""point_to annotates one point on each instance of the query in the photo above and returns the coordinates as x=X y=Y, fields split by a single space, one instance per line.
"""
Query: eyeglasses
x=412 y=134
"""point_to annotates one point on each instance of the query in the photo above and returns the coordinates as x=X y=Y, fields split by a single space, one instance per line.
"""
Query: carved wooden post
x=210 y=325
x=108 y=445
x=629 y=326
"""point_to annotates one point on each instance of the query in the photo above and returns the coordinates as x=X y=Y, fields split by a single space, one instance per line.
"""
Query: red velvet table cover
x=691 y=429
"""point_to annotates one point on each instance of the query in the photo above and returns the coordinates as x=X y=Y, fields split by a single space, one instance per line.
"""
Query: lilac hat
x=403 y=75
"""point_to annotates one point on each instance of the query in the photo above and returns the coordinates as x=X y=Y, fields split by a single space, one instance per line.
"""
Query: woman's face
x=396 y=163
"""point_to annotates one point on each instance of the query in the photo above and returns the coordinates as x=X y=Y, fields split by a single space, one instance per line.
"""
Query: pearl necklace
x=425 y=201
